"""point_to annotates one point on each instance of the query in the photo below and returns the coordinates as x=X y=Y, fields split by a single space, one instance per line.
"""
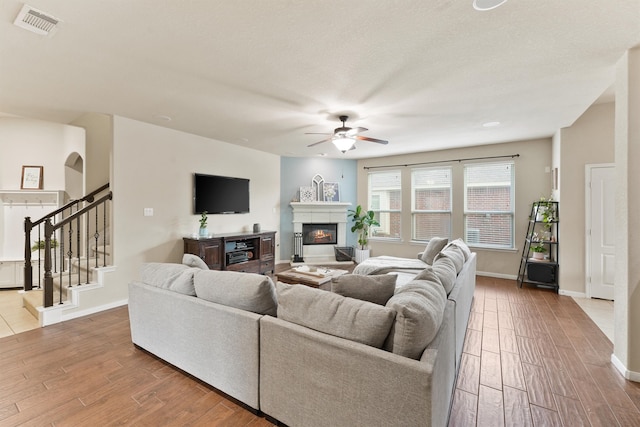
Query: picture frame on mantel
x=331 y=192
x=32 y=178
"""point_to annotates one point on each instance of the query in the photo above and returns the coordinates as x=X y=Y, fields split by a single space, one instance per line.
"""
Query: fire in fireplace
x=319 y=234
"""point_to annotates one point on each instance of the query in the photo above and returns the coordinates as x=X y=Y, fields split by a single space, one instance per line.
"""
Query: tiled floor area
x=600 y=311
x=13 y=317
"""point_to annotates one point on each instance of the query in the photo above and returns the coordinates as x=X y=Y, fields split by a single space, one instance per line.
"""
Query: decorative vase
x=540 y=211
x=203 y=232
x=361 y=255
x=538 y=255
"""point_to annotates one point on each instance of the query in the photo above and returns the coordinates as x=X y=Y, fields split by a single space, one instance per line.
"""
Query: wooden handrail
x=88 y=198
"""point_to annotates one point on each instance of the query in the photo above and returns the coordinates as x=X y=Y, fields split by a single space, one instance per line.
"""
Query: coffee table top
x=303 y=275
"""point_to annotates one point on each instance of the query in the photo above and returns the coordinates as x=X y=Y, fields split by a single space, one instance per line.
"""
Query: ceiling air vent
x=36 y=21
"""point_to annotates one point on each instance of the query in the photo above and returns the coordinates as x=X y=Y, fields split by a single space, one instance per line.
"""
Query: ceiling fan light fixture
x=343 y=144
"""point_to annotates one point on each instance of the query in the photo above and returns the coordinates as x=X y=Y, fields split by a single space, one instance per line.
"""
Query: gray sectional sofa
x=365 y=353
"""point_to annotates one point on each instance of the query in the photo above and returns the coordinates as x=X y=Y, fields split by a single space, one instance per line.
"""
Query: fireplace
x=327 y=222
x=319 y=234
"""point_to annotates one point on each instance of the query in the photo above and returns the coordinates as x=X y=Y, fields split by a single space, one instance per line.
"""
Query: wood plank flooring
x=534 y=358
x=531 y=358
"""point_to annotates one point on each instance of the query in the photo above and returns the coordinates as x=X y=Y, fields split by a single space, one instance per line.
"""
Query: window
x=385 y=199
x=431 y=203
x=489 y=204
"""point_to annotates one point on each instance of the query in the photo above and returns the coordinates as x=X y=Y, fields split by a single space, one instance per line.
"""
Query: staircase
x=75 y=257
x=81 y=274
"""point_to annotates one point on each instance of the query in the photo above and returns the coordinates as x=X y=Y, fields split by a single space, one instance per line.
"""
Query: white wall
x=152 y=168
x=31 y=142
x=589 y=140
x=532 y=182
x=28 y=142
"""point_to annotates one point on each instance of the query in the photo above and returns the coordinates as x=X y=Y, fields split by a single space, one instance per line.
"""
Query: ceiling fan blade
x=353 y=131
x=319 y=142
x=365 y=138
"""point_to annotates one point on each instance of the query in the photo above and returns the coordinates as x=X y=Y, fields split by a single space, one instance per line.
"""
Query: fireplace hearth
x=319 y=234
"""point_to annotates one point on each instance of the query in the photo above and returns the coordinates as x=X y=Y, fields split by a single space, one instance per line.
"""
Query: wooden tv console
x=246 y=252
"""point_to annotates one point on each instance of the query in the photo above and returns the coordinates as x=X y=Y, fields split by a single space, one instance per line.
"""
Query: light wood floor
x=531 y=358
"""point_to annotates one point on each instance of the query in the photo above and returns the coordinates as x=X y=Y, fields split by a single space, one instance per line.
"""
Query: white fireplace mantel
x=321 y=213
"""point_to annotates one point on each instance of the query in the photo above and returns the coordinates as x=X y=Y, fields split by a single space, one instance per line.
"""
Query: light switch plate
x=148 y=211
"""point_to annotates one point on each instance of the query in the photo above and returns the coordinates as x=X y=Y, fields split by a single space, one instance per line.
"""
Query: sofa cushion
x=174 y=277
x=334 y=314
x=433 y=248
x=194 y=261
x=419 y=308
x=455 y=254
x=446 y=271
x=246 y=291
x=376 y=289
x=463 y=247
x=428 y=274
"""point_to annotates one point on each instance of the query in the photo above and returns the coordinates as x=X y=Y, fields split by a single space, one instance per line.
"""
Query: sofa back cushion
x=334 y=314
x=455 y=254
x=419 y=308
x=445 y=268
x=435 y=245
x=459 y=243
x=376 y=289
x=174 y=277
x=246 y=291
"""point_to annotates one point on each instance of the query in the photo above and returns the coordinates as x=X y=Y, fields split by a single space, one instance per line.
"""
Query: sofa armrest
x=213 y=342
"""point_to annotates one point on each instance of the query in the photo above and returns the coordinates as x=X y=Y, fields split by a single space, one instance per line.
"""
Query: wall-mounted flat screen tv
x=220 y=194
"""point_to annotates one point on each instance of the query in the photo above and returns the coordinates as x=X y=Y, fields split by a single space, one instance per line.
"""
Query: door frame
x=587 y=221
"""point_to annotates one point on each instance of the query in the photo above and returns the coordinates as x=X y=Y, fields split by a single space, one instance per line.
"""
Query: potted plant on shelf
x=538 y=251
x=203 y=225
x=362 y=222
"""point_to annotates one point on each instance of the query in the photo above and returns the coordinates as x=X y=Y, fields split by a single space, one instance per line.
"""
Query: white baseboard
x=496 y=275
x=630 y=375
x=572 y=293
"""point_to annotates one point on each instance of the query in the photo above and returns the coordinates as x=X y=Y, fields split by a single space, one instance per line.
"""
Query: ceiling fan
x=345 y=137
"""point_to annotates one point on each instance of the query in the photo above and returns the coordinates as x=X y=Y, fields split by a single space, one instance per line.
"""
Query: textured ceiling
x=424 y=75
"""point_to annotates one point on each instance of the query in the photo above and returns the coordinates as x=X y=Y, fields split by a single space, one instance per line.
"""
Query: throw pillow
x=446 y=271
x=333 y=314
x=245 y=291
x=435 y=245
x=376 y=289
x=419 y=308
x=194 y=261
x=174 y=277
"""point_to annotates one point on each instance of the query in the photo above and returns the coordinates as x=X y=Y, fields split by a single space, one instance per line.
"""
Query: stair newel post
x=78 y=230
x=86 y=244
x=104 y=230
x=48 y=277
x=28 y=271
x=96 y=235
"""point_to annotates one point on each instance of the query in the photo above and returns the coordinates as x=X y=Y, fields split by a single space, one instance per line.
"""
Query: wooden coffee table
x=317 y=279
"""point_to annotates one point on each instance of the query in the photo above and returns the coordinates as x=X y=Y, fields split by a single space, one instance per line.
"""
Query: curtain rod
x=511 y=156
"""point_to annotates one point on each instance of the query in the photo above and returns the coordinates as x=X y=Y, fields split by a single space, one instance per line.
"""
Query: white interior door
x=600 y=231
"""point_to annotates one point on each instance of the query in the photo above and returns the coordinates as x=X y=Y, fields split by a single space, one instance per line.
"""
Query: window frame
x=378 y=211
x=415 y=211
x=510 y=213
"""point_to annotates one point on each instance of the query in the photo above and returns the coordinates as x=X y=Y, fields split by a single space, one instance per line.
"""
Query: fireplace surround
x=321 y=214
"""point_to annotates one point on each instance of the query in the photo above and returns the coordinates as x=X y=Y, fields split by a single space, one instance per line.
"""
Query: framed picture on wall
x=331 y=192
x=31 y=178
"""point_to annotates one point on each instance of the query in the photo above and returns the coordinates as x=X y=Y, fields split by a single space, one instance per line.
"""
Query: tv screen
x=220 y=194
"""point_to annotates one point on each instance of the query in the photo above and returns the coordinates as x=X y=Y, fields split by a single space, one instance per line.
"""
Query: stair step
x=31 y=300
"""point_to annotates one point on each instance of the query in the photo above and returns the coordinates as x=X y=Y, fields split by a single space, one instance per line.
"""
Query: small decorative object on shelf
x=307 y=194
x=539 y=261
x=203 y=225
